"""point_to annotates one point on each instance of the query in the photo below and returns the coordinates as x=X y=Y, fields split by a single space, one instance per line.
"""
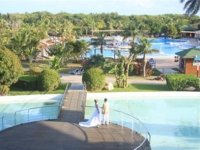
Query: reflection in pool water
x=172 y=118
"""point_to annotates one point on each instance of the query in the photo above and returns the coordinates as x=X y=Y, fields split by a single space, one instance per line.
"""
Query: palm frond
x=191 y=7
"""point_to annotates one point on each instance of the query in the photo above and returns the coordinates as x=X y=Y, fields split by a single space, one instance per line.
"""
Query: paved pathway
x=164 y=65
x=66 y=134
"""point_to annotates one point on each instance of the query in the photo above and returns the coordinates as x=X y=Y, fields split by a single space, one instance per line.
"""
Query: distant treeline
x=81 y=24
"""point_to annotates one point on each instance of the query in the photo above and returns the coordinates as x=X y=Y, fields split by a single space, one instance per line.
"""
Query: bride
x=95 y=119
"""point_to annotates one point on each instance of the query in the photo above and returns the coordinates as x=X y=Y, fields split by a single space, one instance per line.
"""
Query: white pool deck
x=21 y=98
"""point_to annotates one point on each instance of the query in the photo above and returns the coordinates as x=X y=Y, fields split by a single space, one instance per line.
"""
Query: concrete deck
x=66 y=134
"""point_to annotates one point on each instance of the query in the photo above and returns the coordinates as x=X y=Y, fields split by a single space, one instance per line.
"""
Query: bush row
x=26 y=85
x=47 y=80
x=179 y=82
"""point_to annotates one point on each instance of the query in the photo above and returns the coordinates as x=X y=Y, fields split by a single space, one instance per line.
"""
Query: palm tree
x=100 y=41
x=59 y=51
x=131 y=31
x=95 y=61
x=122 y=67
x=145 y=48
x=191 y=6
x=32 y=43
x=91 y=24
x=67 y=31
x=19 y=42
x=79 y=49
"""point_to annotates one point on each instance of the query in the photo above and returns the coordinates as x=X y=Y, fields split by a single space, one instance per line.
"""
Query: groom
x=105 y=112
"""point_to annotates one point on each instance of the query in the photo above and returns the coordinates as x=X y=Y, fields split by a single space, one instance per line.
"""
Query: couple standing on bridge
x=95 y=119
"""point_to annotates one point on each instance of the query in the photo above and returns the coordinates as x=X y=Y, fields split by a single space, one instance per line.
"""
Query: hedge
x=179 y=82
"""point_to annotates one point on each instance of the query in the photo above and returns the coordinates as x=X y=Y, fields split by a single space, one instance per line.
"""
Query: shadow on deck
x=65 y=133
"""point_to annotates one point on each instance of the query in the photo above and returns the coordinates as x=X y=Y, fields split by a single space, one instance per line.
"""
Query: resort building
x=189 y=32
x=189 y=61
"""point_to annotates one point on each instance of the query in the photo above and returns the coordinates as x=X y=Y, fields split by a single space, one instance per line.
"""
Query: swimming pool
x=167 y=48
x=172 y=118
x=15 y=110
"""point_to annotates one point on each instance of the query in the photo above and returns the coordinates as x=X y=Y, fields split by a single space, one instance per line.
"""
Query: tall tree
x=100 y=41
x=59 y=52
x=131 y=31
x=191 y=6
x=145 y=47
x=19 y=42
x=32 y=44
x=122 y=67
x=79 y=48
x=10 y=69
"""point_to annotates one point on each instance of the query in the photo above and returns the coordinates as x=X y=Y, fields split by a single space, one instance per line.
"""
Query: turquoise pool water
x=163 y=45
x=15 y=110
x=12 y=104
x=172 y=118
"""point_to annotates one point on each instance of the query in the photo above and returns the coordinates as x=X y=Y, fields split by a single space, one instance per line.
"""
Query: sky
x=122 y=7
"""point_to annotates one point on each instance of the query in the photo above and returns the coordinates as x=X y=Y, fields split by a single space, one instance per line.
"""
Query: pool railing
x=29 y=115
x=64 y=96
x=119 y=118
x=32 y=114
x=124 y=120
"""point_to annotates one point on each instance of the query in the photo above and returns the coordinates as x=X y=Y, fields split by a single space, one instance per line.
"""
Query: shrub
x=48 y=80
x=10 y=69
x=178 y=82
x=27 y=82
x=138 y=68
x=94 y=61
x=94 y=79
x=33 y=69
x=4 y=90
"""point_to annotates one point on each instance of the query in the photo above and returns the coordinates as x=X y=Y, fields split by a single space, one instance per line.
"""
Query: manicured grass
x=72 y=66
x=140 y=88
x=66 y=70
x=43 y=64
x=28 y=78
x=19 y=91
x=69 y=67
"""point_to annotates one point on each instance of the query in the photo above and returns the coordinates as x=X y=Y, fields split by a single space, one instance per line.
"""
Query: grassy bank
x=140 y=88
x=18 y=91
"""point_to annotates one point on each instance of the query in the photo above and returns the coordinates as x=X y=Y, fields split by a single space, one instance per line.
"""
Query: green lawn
x=140 y=88
x=18 y=91
x=43 y=64
x=71 y=66
x=28 y=78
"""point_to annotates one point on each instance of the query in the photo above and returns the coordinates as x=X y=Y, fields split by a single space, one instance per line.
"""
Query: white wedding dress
x=94 y=120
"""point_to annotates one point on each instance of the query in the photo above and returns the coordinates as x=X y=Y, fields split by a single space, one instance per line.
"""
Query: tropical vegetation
x=94 y=79
x=23 y=35
x=48 y=80
x=144 y=47
x=179 y=82
x=10 y=69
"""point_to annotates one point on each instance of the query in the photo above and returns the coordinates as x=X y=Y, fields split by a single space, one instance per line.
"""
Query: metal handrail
x=147 y=134
x=121 y=119
x=28 y=117
x=14 y=114
x=63 y=97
